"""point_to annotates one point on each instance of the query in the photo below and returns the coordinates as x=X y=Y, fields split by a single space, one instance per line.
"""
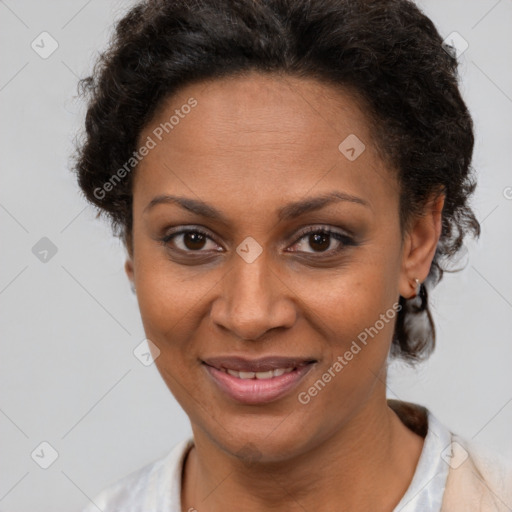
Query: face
x=282 y=244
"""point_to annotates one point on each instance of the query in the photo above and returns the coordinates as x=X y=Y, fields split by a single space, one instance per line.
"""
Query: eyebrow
x=286 y=212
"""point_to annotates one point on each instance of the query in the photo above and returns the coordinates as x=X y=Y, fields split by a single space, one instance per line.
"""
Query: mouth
x=257 y=381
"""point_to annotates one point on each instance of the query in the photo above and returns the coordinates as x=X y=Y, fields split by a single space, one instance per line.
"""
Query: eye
x=321 y=240
x=190 y=240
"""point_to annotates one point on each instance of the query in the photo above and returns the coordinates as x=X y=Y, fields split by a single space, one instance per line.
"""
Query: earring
x=417 y=287
x=132 y=286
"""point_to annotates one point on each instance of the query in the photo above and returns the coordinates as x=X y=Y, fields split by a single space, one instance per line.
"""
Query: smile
x=258 y=381
x=259 y=375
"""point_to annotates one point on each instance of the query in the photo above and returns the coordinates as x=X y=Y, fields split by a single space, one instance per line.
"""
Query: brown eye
x=194 y=240
x=321 y=240
x=190 y=240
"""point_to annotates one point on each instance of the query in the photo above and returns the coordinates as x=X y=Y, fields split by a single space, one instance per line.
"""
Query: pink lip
x=257 y=391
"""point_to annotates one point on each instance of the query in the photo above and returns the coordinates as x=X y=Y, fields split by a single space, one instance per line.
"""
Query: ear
x=128 y=268
x=419 y=246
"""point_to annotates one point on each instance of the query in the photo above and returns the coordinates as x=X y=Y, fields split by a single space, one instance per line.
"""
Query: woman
x=289 y=178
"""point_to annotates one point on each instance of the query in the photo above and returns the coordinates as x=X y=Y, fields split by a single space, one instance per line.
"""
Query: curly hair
x=387 y=51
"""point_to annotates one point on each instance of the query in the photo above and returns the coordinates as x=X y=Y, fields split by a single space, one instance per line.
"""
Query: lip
x=261 y=364
x=257 y=391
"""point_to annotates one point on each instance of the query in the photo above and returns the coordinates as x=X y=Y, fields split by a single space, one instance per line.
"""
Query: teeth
x=265 y=375
x=259 y=375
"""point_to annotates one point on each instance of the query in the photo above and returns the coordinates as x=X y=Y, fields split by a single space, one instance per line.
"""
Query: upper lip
x=262 y=364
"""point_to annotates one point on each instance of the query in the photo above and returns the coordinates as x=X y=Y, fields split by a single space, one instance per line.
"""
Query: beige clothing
x=478 y=480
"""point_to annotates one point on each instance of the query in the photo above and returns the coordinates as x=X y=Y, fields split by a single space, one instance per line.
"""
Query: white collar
x=426 y=489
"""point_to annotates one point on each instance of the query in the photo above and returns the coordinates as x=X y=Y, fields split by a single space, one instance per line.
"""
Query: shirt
x=156 y=487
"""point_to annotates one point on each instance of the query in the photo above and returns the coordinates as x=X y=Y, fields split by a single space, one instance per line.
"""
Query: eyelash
x=340 y=237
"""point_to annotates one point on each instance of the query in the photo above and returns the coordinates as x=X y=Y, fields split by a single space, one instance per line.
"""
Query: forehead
x=279 y=135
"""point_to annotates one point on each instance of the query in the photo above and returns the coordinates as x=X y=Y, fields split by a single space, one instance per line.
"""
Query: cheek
x=354 y=310
x=174 y=308
x=360 y=329
x=166 y=292
x=343 y=302
x=170 y=309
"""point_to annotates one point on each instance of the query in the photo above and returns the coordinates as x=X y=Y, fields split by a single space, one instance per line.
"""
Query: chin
x=260 y=438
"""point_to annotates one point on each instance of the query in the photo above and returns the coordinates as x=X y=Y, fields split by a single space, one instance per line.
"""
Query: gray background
x=69 y=325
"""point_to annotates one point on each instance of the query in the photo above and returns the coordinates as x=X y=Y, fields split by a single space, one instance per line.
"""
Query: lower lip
x=257 y=391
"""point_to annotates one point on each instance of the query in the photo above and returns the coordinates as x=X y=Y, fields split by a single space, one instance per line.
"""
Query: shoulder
x=478 y=479
x=155 y=486
x=471 y=478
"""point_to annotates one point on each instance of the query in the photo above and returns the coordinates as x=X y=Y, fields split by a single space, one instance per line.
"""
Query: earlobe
x=128 y=268
x=420 y=246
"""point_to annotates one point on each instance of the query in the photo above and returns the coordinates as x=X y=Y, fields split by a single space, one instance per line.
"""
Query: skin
x=253 y=144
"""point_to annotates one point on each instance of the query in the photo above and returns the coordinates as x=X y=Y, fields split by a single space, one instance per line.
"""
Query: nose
x=253 y=300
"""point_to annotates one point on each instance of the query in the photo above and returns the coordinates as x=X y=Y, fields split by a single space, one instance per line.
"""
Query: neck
x=367 y=464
